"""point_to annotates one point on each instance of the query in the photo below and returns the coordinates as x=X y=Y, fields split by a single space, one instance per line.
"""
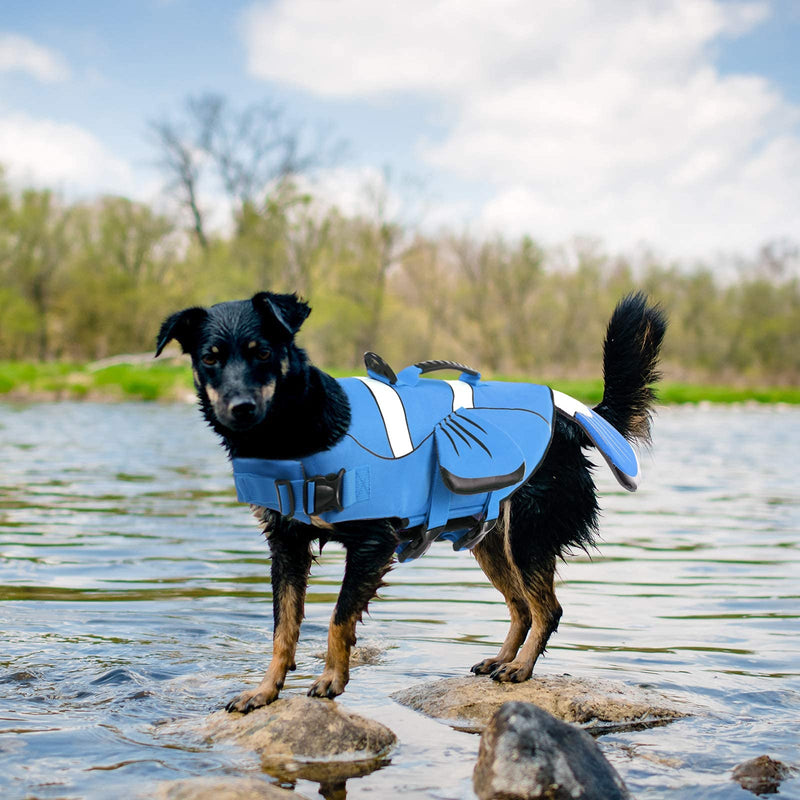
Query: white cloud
x=19 y=53
x=61 y=155
x=583 y=117
x=357 y=47
x=365 y=191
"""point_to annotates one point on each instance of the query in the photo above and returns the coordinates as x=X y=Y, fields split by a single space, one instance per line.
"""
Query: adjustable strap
x=300 y=497
x=435 y=523
x=439 y=510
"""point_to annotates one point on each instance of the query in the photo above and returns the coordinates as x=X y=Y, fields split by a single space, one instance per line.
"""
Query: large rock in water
x=598 y=706
x=304 y=737
x=527 y=753
x=762 y=775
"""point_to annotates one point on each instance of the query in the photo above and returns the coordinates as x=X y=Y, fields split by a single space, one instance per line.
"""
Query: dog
x=262 y=396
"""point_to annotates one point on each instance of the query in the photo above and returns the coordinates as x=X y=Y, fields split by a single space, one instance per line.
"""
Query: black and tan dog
x=261 y=395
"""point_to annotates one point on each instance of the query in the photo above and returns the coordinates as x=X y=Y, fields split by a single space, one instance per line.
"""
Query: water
x=134 y=592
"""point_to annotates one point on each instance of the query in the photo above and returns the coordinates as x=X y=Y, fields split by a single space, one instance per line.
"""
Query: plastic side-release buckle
x=488 y=520
x=417 y=546
x=285 y=498
x=474 y=535
x=324 y=493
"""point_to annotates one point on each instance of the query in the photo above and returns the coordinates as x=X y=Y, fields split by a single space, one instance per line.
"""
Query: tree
x=36 y=246
x=182 y=163
x=120 y=276
x=244 y=153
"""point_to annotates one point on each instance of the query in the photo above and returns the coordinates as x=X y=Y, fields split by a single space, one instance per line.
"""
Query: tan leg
x=490 y=554
x=291 y=563
x=335 y=676
x=531 y=600
x=545 y=613
x=369 y=558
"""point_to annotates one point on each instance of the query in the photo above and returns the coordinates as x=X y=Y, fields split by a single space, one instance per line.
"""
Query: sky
x=671 y=124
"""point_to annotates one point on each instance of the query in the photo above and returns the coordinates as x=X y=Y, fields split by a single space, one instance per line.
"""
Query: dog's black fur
x=259 y=392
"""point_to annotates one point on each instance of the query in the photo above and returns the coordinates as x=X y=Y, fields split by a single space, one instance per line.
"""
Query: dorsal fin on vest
x=475 y=455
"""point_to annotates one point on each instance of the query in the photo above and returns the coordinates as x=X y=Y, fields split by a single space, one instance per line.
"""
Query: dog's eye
x=210 y=360
x=264 y=354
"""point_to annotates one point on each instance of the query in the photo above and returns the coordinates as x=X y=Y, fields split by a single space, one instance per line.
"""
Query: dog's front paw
x=513 y=672
x=251 y=699
x=330 y=684
x=486 y=667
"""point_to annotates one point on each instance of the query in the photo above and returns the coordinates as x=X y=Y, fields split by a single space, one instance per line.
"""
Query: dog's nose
x=242 y=409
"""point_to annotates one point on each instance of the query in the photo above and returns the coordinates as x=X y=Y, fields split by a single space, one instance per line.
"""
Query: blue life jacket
x=440 y=455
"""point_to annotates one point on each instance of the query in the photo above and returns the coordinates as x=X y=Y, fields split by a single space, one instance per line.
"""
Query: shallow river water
x=134 y=590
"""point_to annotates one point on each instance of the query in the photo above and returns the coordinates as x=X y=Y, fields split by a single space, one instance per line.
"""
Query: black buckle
x=290 y=493
x=418 y=546
x=473 y=536
x=327 y=492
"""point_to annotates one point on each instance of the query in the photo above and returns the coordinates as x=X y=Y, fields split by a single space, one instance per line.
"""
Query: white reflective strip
x=569 y=405
x=394 y=416
x=463 y=396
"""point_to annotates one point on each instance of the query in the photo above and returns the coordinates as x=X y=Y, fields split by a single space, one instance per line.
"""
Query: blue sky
x=674 y=123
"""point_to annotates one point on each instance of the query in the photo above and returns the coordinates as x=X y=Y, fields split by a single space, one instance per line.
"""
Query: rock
x=762 y=775
x=359 y=656
x=527 y=753
x=230 y=788
x=304 y=737
x=24 y=676
x=598 y=706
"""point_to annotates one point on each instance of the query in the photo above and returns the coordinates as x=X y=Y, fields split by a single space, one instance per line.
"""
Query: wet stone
x=22 y=676
x=762 y=775
x=361 y=655
x=304 y=737
x=232 y=788
x=527 y=753
x=597 y=706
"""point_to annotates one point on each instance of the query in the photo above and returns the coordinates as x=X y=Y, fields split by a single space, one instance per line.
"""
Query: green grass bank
x=144 y=379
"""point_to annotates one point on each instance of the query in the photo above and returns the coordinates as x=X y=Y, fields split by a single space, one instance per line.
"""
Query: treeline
x=83 y=281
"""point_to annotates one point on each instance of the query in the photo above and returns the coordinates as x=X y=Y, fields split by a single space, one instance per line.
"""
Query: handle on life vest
x=379 y=369
x=436 y=364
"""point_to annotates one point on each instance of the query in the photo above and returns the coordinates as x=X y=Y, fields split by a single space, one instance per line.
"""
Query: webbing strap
x=439 y=510
x=305 y=497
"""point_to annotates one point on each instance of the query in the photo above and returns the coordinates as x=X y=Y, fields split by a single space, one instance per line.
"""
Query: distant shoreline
x=140 y=378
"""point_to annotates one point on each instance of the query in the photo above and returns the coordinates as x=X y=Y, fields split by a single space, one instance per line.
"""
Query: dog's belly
x=264 y=517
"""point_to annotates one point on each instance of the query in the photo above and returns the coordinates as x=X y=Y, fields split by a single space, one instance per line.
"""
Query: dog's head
x=240 y=352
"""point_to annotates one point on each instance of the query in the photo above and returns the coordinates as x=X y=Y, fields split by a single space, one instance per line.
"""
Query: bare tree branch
x=181 y=163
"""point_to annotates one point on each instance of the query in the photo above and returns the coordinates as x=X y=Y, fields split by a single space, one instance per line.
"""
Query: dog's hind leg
x=291 y=563
x=490 y=553
x=370 y=547
x=554 y=512
x=545 y=612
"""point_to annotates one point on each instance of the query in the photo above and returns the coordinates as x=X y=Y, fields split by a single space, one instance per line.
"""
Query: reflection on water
x=134 y=591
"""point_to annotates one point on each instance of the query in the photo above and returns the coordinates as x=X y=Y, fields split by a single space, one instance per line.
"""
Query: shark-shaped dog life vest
x=441 y=455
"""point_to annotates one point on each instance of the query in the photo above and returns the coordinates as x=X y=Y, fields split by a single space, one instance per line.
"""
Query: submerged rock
x=527 y=753
x=304 y=737
x=598 y=706
x=230 y=788
x=762 y=775
x=368 y=654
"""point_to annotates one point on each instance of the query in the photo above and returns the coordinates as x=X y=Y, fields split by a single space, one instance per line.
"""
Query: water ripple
x=134 y=590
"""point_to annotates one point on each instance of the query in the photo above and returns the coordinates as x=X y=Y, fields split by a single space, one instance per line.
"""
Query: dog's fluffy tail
x=630 y=365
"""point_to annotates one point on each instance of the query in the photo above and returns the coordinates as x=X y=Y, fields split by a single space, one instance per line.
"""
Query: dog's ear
x=285 y=313
x=182 y=326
